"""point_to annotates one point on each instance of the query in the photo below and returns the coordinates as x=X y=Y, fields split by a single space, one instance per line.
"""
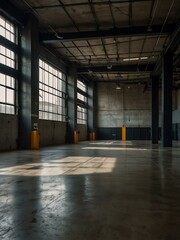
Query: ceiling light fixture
x=59 y=37
x=90 y=70
x=130 y=59
x=134 y=59
x=149 y=29
x=143 y=58
x=109 y=66
x=118 y=87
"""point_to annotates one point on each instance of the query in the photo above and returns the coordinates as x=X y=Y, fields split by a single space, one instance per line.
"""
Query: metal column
x=90 y=110
x=155 y=109
x=71 y=103
x=28 y=82
x=167 y=71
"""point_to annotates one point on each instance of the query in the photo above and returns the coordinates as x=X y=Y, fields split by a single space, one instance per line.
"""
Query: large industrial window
x=8 y=55
x=81 y=102
x=52 y=93
x=7 y=30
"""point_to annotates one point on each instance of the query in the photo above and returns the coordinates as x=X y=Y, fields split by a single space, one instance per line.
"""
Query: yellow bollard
x=76 y=137
x=90 y=136
x=93 y=136
x=123 y=133
x=35 y=140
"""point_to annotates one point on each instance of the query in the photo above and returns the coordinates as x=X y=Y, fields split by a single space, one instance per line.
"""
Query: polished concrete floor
x=102 y=190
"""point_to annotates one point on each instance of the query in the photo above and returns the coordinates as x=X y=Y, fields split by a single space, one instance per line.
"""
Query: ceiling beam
x=78 y=4
x=118 y=68
x=123 y=81
x=115 y=32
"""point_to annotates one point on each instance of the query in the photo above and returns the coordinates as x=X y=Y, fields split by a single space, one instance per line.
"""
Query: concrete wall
x=52 y=133
x=129 y=106
x=176 y=116
x=178 y=98
x=176 y=112
x=82 y=128
x=9 y=132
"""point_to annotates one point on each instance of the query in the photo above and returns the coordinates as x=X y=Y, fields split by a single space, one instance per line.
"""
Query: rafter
x=124 y=81
x=118 y=32
x=116 y=68
x=79 y=4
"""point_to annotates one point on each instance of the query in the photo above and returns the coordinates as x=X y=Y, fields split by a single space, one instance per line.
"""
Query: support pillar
x=28 y=82
x=90 y=113
x=167 y=71
x=155 y=110
x=71 y=103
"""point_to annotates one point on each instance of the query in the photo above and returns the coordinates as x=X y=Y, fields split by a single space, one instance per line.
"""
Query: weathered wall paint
x=9 y=132
x=128 y=106
x=82 y=128
x=52 y=133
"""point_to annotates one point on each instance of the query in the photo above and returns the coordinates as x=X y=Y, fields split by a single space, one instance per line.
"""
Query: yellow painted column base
x=35 y=140
x=92 y=136
x=123 y=133
x=76 y=138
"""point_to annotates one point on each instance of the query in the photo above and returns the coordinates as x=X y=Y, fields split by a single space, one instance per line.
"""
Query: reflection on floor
x=104 y=190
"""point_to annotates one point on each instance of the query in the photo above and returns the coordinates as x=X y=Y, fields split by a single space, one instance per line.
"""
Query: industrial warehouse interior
x=90 y=119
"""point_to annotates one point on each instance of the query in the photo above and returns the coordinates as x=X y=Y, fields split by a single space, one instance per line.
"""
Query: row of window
x=8 y=58
x=7 y=94
x=82 y=103
x=52 y=84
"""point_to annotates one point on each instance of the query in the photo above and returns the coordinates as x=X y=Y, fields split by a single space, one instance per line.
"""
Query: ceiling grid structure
x=108 y=34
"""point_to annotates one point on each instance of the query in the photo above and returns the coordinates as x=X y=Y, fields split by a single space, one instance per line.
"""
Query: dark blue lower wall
x=176 y=131
x=109 y=133
x=138 y=133
x=131 y=133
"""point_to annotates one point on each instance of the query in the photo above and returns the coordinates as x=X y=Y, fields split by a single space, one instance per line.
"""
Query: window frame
x=9 y=66
x=52 y=89
x=82 y=99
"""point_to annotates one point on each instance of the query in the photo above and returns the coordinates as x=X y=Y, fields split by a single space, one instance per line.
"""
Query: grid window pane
x=51 y=94
x=81 y=86
x=81 y=109
x=81 y=115
x=8 y=86
x=10 y=96
x=81 y=97
x=2 y=94
x=7 y=94
x=7 y=29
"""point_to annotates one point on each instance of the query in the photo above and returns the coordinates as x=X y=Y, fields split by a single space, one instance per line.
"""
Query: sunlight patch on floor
x=114 y=148
x=125 y=143
x=74 y=165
